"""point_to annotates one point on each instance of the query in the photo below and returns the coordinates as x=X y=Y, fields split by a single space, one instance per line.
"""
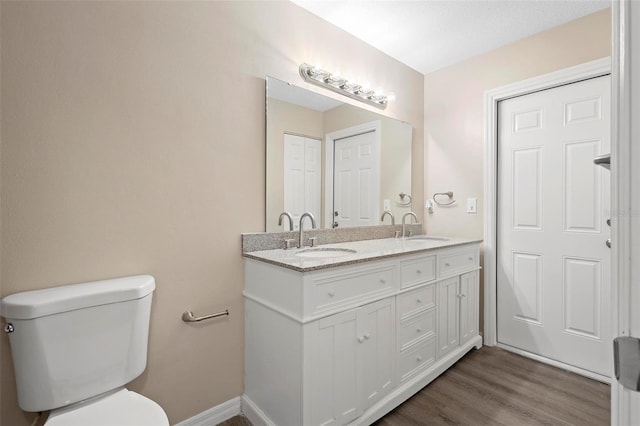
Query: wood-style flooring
x=492 y=386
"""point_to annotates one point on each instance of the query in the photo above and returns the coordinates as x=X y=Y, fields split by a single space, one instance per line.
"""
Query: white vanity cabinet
x=347 y=344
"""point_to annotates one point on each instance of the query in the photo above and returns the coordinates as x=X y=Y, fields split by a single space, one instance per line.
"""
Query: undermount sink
x=428 y=237
x=324 y=252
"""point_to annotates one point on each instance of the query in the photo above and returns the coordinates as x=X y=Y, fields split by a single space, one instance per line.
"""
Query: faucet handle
x=313 y=241
x=289 y=243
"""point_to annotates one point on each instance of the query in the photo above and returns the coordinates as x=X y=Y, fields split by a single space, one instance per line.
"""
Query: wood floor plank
x=492 y=386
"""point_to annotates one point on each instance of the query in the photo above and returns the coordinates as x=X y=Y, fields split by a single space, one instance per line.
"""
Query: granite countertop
x=365 y=251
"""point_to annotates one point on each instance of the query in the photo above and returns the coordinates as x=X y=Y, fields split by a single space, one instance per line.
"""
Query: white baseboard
x=558 y=364
x=256 y=416
x=214 y=415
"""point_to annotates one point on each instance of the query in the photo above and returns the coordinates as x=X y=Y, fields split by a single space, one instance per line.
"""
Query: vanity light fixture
x=333 y=82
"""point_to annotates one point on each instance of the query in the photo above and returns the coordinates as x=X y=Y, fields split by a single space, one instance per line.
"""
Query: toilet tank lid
x=54 y=300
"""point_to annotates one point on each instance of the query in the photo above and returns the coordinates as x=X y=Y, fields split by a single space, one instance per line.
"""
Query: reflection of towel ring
x=448 y=194
x=402 y=196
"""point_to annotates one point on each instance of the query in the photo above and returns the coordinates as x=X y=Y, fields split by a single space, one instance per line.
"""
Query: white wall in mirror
x=306 y=115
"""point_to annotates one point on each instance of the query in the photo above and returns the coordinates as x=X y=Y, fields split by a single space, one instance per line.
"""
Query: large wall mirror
x=344 y=164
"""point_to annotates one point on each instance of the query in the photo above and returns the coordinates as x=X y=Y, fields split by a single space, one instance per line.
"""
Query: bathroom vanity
x=344 y=336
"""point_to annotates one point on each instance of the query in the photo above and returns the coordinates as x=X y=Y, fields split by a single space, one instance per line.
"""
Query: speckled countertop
x=364 y=251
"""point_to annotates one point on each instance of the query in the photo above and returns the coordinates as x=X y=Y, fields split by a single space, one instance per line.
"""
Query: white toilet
x=75 y=347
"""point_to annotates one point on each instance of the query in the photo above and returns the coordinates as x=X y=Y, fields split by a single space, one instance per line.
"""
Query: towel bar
x=187 y=316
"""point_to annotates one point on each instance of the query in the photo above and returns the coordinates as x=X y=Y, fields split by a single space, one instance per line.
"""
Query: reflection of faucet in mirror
x=288 y=215
x=403 y=224
x=387 y=212
x=313 y=226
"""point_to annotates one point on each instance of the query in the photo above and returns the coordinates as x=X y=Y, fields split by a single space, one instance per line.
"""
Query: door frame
x=597 y=68
x=624 y=229
x=330 y=138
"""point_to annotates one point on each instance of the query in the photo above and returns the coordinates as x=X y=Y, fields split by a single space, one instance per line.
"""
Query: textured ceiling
x=431 y=34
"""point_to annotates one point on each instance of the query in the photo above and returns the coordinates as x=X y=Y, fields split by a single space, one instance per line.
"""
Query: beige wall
x=133 y=142
x=454 y=138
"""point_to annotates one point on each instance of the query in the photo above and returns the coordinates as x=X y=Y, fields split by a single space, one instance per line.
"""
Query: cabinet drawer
x=452 y=263
x=416 y=359
x=412 y=302
x=342 y=289
x=417 y=271
x=417 y=328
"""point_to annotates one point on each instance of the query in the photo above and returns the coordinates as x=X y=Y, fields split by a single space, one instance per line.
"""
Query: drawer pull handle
x=383 y=281
x=419 y=359
x=447 y=265
x=331 y=293
x=419 y=330
x=418 y=300
x=418 y=271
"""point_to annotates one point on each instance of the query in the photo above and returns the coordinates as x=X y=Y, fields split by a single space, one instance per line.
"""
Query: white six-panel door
x=553 y=266
x=355 y=193
x=302 y=177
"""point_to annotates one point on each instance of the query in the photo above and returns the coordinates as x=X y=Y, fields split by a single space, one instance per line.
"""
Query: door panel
x=356 y=180
x=553 y=203
x=335 y=370
x=448 y=308
x=376 y=324
x=302 y=178
x=468 y=306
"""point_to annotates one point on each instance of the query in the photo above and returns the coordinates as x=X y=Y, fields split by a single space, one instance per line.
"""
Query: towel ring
x=448 y=194
x=402 y=202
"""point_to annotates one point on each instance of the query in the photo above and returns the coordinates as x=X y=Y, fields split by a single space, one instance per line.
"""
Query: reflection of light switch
x=472 y=205
x=387 y=204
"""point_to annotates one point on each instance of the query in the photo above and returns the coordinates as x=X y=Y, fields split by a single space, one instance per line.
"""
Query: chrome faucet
x=286 y=214
x=403 y=224
x=387 y=212
x=313 y=226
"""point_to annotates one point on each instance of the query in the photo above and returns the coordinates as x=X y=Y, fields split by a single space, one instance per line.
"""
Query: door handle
x=608 y=242
x=626 y=361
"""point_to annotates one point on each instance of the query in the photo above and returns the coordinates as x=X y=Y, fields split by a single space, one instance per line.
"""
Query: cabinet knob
x=367 y=336
x=419 y=330
x=418 y=271
x=360 y=339
x=418 y=359
x=470 y=259
x=383 y=281
x=331 y=293
x=447 y=265
x=418 y=300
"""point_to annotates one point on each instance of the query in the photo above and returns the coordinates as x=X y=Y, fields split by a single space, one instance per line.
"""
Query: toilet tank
x=77 y=341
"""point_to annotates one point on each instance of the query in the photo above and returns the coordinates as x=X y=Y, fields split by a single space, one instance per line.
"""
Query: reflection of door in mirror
x=302 y=177
x=355 y=178
x=292 y=110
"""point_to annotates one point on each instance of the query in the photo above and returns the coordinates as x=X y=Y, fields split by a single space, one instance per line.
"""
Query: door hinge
x=626 y=361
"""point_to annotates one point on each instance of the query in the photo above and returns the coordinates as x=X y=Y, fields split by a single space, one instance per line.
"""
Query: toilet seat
x=121 y=408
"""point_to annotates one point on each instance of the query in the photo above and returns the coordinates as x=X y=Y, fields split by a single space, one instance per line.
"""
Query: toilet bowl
x=75 y=347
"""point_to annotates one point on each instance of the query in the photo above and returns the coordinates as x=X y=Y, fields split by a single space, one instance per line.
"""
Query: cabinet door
x=376 y=349
x=448 y=311
x=334 y=370
x=468 y=306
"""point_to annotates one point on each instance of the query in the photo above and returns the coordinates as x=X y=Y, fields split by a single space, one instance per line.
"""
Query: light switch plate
x=472 y=205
